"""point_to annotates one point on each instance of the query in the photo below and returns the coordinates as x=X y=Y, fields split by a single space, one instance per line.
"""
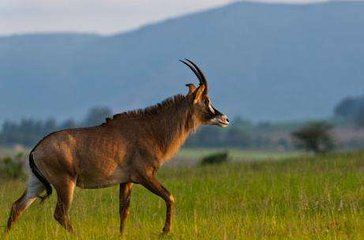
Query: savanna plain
x=299 y=197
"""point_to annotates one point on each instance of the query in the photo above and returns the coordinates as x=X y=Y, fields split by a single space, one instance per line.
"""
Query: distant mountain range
x=263 y=62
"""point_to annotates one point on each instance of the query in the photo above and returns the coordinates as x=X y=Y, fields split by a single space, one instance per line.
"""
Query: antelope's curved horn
x=202 y=77
x=199 y=74
x=192 y=68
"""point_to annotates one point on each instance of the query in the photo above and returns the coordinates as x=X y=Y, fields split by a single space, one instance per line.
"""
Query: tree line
x=241 y=133
x=29 y=131
x=351 y=110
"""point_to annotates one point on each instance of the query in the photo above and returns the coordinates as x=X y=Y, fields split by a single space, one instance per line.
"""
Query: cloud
x=97 y=16
x=108 y=16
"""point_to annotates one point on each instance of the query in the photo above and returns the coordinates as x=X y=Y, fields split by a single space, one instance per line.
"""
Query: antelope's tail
x=41 y=178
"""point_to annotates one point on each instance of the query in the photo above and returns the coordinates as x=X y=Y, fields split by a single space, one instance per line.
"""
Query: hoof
x=165 y=231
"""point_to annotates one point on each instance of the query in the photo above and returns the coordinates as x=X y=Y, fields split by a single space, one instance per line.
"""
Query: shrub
x=315 y=137
x=12 y=167
x=215 y=158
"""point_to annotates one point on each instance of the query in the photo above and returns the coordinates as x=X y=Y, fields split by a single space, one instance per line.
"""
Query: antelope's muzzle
x=222 y=120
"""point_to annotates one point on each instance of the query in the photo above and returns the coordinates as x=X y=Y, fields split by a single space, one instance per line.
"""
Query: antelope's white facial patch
x=216 y=117
x=211 y=109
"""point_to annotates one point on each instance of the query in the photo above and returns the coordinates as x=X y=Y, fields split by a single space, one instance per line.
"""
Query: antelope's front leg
x=124 y=203
x=153 y=185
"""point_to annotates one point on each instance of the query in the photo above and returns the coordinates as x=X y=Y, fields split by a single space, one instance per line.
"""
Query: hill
x=264 y=62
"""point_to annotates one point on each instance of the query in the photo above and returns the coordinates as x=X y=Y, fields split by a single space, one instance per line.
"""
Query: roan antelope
x=127 y=149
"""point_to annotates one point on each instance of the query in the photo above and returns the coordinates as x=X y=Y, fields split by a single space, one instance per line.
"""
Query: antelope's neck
x=172 y=132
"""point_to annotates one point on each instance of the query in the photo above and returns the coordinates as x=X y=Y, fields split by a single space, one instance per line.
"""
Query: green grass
x=302 y=198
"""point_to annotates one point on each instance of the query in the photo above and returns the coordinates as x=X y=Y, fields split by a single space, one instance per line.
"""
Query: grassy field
x=298 y=198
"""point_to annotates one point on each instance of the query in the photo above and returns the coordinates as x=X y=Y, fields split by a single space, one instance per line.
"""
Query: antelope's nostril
x=227 y=120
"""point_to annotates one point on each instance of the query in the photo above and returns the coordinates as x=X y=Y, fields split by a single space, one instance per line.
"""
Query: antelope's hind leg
x=64 y=200
x=34 y=188
x=124 y=203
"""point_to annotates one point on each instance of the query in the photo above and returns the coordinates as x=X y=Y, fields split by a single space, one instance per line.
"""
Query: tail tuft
x=41 y=178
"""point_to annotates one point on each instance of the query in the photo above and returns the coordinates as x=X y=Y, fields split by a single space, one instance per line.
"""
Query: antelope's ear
x=198 y=93
x=191 y=88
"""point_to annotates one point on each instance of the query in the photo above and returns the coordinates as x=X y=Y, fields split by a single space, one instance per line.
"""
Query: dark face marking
x=211 y=115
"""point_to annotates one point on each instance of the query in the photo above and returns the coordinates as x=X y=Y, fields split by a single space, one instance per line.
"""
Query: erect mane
x=151 y=110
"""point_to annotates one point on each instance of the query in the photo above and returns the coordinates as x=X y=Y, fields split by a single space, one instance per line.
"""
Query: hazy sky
x=99 y=16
